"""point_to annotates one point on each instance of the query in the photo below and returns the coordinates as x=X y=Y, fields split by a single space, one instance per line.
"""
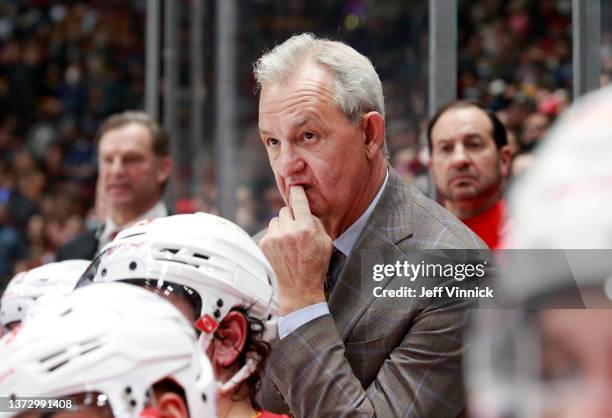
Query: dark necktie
x=336 y=263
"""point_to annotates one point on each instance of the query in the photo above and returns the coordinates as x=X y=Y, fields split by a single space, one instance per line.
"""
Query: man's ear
x=505 y=160
x=229 y=339
x=373 y=125
x=171 y=405
x=165 y=169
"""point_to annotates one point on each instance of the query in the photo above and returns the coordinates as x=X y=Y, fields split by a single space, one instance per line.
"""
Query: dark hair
x=499 y=133
x=167 y=384
x=254 y=346
x=160 y=140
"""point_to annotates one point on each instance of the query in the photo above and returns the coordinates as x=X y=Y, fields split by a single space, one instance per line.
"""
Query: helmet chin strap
x=240 y=376
x=271 y=330
x=270 y=334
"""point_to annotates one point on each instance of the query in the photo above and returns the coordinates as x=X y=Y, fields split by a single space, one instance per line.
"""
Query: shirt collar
x=346 y=241
x=157 y=211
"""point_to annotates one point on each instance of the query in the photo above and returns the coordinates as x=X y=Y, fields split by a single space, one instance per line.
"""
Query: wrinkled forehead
x=311 y=79
x=460 y=122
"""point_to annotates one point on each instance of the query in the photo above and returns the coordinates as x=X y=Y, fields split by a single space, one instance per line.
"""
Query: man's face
x=311 y=143
x=465 y=162
x=131 y=175
x=536 y=126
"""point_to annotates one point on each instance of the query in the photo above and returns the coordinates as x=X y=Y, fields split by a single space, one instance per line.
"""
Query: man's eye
x=272 y=142
x=132 y=159
x=308 y=135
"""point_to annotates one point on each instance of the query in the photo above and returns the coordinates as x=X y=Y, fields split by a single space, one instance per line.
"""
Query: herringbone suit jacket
x=383 y=357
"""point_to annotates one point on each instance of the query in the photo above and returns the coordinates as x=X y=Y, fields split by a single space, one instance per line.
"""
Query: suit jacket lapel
x=390 y=223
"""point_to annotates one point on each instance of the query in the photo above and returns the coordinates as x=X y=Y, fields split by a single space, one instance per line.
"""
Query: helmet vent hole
x=133 y=265
x=89 y=350
x=202 y=256
x=217 y=313
x=52 y=356
x=103 y=272
x=57 y=366
x=220 y=303
x=170 y=250
x=66 y=312
x=204 y=397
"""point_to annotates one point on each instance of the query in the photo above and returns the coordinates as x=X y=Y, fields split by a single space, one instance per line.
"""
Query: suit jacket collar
x=390 y=217
x=390 y=223
x=347 y=240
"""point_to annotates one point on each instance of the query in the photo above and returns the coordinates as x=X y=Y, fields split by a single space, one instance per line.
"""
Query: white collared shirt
x=157 y=211
x=344 y=243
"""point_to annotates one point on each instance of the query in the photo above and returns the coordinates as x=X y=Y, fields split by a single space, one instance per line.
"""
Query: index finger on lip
x=299 y=204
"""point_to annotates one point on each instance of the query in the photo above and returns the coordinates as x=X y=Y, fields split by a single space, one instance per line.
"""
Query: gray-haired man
x=341 y=350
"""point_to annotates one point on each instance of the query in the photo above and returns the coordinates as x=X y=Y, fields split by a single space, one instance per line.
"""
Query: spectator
x=409 y=167
x=534 y=129
x=20 y=207
x=470 y=160
x=12 y=246
x=134 y=162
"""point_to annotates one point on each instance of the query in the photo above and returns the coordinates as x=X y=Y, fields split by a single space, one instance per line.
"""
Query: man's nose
x=116 y=166
x=459 y=157
x=290 y=162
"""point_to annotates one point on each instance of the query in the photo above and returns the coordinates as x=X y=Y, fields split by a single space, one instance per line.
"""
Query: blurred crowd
x=516 y=57
x=66 y=66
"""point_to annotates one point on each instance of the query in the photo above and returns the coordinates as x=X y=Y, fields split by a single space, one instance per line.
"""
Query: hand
x=298 y=249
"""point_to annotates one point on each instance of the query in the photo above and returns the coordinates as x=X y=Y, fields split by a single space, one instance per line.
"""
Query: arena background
x=65 y=66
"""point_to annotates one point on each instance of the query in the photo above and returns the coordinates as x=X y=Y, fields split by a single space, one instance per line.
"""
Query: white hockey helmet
x=208 y=260
x=561 y=220
x=107 y=345
x=27 y=287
